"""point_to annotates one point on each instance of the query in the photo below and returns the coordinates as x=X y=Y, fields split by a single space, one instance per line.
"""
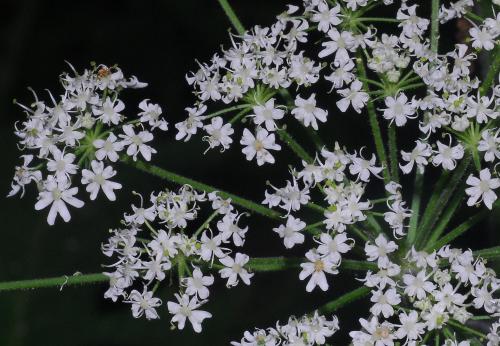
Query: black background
x=158 y=41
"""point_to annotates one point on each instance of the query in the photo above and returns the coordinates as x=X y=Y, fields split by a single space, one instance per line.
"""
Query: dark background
x=157 y=41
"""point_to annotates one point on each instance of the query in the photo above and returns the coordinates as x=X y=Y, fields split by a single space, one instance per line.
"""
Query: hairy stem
x=344 y=300
x=435 y=26
x=375 y=127
x=235 y=22
x=294 y=146
x=415 y=207
x=393 y=153
x=492 y=72
x=178 y=179
x=61 y=281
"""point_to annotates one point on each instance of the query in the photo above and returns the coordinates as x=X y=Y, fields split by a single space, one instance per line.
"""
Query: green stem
x=492 y=72
x=316 y=207
x=446 y=217
x=60 y=282
x=393 y=153
x=475 y=17
x=345 y=299
x=411 y=86
x=440 y=198
x=227 y=110
x=240 y=115
x=232 y=16
x=455 y=233
x=492 y=253
x=415 y=207
x=379 y=19
x=205 y=224
x=372 y=116
x=435 y=26
x=296 y=147
x=178 y=179
x=273 y=264
x=466 y=329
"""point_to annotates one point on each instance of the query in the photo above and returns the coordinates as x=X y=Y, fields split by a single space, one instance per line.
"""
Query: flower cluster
x=429 y=292
x=306 y=331
x=419 y=286
x=265 y=62
x=80 y=136
x=332 y=171
x=156 y=240
x=259 y=64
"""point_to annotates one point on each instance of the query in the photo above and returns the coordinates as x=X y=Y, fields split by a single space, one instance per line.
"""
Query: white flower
x=62 y=164
x=334 y=247
x=235 y=268
x=109 y=112
x=396 y=217
x=363 y=168
x=354 y=96
x=383 y=302
x=136 y=142
x=108 y=148
x=185 y=308
x=229 y=228
x=398 y=109
x=307 y=112
x=163 y=243
x=410 y=327
x=447 y=155
x=480 y=110
x=339 y=44
x=326 y=17
x=151 y=114
x=490 y=143
x=24 y=175
x=190 y=126
x=418 y=155
x=156 y=268
x=144 y=304
x=197 y=284
x=258 y=146
x=210 y=247
x=377 y=334
x=380 y=250
x=418 y=285
x=291 y=232
x=267 y=114
x=218 y=134
x=98 y=179
x=316 y=268
x=57 y=193
x=482 y=188
x=482 y=38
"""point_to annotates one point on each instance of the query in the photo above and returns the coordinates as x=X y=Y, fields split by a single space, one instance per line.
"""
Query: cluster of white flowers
x=398 y=213
x=157 y=239
x=83 y=134
x=306 y=331
x=428 y=292
x=345 y=208
x=261 y=79
x=266 y=61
